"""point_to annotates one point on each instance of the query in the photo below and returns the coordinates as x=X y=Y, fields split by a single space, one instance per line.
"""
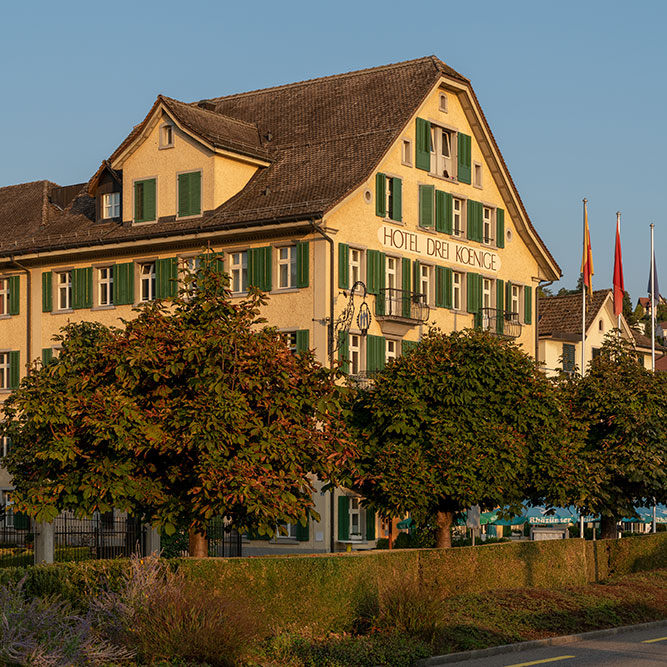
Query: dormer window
x=111 y=205
x=167 y=136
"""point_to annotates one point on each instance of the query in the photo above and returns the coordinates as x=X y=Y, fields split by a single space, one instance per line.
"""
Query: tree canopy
x=463 y=419
x=192 y=410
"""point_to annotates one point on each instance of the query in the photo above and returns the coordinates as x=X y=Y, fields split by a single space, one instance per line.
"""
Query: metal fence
x=223 y=541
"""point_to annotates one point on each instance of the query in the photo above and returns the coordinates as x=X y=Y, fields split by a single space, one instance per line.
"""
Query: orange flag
x=587 y=259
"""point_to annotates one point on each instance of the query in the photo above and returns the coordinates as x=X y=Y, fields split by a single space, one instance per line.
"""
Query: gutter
x=28 y=307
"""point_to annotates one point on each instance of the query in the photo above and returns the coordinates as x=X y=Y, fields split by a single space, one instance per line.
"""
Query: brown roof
x=640 y=339
x=561 y=315
x=323 y=138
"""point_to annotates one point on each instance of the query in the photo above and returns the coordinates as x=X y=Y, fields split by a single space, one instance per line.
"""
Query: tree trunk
x=443 y=532
x=608 y=530
x=198 y=544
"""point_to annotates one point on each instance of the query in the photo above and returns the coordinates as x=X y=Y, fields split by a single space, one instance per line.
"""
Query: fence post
x=44 y=542
x=152 y=541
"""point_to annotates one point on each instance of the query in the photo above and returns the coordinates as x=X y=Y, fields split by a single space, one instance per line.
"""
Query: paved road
x=635 y=648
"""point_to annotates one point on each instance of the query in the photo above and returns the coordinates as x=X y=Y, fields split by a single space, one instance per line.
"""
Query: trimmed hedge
x=333 y=592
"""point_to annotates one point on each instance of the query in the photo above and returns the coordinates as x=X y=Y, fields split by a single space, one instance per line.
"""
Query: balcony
x=361 y=379
x=500 y=322
x=401 y=305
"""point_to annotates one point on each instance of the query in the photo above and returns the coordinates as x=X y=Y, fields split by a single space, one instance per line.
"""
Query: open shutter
x=508 y=296
x=344 y=350
x=343 y=518
x=397 y=199
x=302 y=340
x=406 y=278
x=375 y=353
x=464 y=158
x=500 y=307
x=343 y=265
x=302 y=264
x=303 y=532
x=443 y=287
x=370 y=525
x=124 y=284
x=426 y=195
x=375 y=268
x=500 y=228
x=14 y=294
x=475 y=223
x=528 y=305
x=380 y=195
x=416 y=283
x=474 y=289
x=568 y=357
x=443 y=211
x=423 y=145
x=166 y=273
x=47 y=292
x=47 y=355
x=14 y=369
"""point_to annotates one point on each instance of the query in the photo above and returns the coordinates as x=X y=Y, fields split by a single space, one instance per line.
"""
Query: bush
x=173 y=546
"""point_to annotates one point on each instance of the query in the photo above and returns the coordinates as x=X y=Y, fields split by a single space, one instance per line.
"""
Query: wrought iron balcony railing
x=362 y=379
x=501 y=322
x=398 y=304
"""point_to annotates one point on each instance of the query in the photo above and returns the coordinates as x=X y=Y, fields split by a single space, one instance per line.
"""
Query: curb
x=450 y=658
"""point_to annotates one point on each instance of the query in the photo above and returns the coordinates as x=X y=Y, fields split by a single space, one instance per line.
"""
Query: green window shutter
x=375 y=353
x=528 y=305
x=344 y=350
x=303 y=532
x=373 y=271
x=475 y=224
x=407 y=345
x=380 y=195
x=415 y=276
x=500 y=228
x=426 y=195
x=47 y=355
x=124 y=284
x=259 y=268
x=508 y=296
x=302 y=340
x=500 y=307
x=166 y=277
x=443 y=287
x=464 y=158
x=21 y=521
x=82 y=288
x=302 y=265
x=406 y=284
x=189 y=194
x=444 y=211
x=397 y=199
x=343 y=518
x=343 y=266
x=449 y=288
x=14 y=294
x=268 y=273
x=423 y=145
x=470 y=227
x=474 y=288
x=14 y=369
x=47 y=292
x=370 y=525
x=144 y=200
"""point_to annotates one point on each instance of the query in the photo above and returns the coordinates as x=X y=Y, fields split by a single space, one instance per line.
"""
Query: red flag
x=587 y=259
x=619 y=288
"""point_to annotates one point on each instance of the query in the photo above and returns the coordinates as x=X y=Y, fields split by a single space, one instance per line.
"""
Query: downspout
x=28 y=308
x=330 y=354
x=540 y=284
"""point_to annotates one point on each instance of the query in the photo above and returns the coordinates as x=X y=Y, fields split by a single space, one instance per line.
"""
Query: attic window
x=600 y=325
x=443 y=102
x=167 y=136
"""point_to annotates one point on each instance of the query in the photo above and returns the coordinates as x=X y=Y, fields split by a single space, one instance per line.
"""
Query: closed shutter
x=259 y=268
x=474 y=288
x=408 y=345
x=464 y=158
x=444 y=211
x=375 y=268
x=47 y=355
x=14 y=369
x=189 y=194
x=397 y=199
x=47 y=292
x=500 y=228
x=375 y=353
x=302 y=340
x=423 y=145
x=343 y=518
x=14 y=294
x=144 y=200
x=380 y=195
x=370 y=525
x=426 y=194
x=82 y=288
x=528 y=305
x=166 y=277
x=406 y=296
x=303 y=532
x=500 y=306
x=343 y=265
x=344 y=351
x=568 y=357
x=443 y=287
x=302 y=264
x=124 y=284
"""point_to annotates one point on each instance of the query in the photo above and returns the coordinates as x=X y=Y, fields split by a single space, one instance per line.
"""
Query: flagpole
x=653 y=304
x=618 y=227
x=583 y=304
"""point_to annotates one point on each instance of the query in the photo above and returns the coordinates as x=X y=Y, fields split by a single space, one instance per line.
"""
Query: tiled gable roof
x=561 y=315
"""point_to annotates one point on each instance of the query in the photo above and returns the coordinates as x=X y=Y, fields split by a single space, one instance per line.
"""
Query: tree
x=628 y=312
x=192 y=410
x=621 y=409
x=462 y=419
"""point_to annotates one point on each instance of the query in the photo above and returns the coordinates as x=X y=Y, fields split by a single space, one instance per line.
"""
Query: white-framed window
x=477 y=175
x=238 y=268
x=64 y=287
x=457 y=290
x=355 y=354
x=287 y=267
x=111 y=205
x=457 y=221
x=166 y=135
x=105 y=286
x=393 y=302
x=147 y=281
x=355 y=519
x=4 y=296
x=516 y=292
x=443 y=102
x=4 y=370
x=487 y=290
x=391 y=350
x=406 y=152
x=487 y=218
x=391 y=272
x=425 y=282
x=286 y=531
x=356 y=256
x=442 y=151
x=290 y=340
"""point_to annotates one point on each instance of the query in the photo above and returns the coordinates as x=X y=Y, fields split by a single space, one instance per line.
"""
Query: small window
x=487 y=288
x=105 y=286
x=355 y=265
x=355 y=519
x=391 y=350
x=425 y=282
x=443 y=102
x=64 y=286
x=238 y=265
x=111 y=205
x=457 y=223
x=4 y=370
x=514 y=305
x=457 y=287
x=355 y=354
x=287 y=267
x=4 y=296
x=286 y=531
x=600 y=326
x=167 y=136
x=442 y=162
x=477 y=175
x=487 y=218
x=290 y=340
x=406 y=156
x=147 y=281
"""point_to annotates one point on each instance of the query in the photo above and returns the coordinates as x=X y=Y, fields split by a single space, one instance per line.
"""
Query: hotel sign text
x=438 y=248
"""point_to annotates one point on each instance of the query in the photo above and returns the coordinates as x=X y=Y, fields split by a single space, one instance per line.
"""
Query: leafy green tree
x=640 y=313
x=462 y=419
x=628 y=312
x=661 y=312
x=192 y=410
x=621 y=412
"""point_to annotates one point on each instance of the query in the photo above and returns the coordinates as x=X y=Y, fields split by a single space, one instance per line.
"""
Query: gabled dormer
x=106 y=187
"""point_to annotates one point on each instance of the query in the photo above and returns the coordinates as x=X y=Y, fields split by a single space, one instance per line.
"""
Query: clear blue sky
x=574 y=91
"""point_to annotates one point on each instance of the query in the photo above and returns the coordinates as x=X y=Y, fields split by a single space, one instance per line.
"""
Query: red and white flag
x=619 y=288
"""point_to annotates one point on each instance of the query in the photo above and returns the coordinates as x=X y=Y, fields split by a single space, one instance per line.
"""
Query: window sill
x=477 y=187
x=443 y=178
x=285 y=540
x=141 y=223
x=5 y=316
x=285 y=290
x=62 y=312
x=188 y=217
x=111 y=306
x=400 y=223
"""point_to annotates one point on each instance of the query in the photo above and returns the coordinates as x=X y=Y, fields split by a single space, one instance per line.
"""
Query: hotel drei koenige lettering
x=438 y=249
